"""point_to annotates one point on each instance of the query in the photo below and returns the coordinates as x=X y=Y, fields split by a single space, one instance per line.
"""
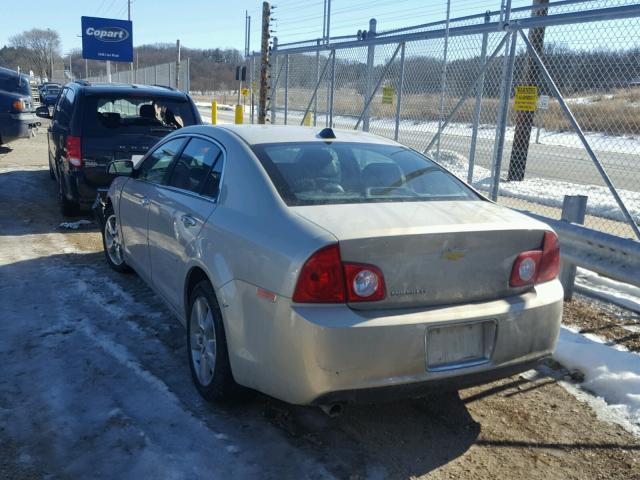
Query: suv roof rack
x=84 y=83
x=164 y=86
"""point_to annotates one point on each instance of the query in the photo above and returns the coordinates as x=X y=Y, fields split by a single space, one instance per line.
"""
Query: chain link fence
x=164 y=74
x=528 y=105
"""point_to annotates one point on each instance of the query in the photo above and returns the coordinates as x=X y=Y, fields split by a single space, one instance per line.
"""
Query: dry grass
x=612 y=113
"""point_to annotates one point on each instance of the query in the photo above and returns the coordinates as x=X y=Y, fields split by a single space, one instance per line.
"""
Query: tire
x=67 y=207
x=52 y=174
x=206 y=339
x=112 y=242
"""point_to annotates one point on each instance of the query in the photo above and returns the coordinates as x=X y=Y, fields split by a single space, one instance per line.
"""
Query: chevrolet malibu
x=331 y=266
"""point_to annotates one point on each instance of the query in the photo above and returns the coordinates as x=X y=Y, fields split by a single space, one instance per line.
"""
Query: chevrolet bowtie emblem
x=453 y=254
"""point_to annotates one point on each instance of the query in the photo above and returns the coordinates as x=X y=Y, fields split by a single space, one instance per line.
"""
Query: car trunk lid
x=431 y=253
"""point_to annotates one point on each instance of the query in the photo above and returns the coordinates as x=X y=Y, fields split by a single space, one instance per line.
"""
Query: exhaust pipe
x=333 y=410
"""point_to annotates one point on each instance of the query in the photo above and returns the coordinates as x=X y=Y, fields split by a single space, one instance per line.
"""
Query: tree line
x=39 y=50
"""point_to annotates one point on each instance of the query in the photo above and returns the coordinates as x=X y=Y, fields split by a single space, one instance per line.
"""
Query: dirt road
x=94 y=383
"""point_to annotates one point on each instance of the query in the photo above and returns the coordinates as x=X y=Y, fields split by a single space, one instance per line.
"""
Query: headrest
x=148 y=111
x=382 y=175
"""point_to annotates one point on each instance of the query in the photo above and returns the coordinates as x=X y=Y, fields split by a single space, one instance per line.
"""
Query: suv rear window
x=106 y=115
x=315 y=173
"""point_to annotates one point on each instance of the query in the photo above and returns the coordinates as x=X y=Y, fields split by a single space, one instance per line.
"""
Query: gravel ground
x=94 y=384
x=618 y=326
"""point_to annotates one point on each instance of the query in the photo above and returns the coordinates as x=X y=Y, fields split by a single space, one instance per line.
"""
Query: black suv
x=94 y=124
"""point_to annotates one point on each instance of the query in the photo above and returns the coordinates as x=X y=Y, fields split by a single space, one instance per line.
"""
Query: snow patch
x=545 y=191
x=612 y=375
x=619 y=293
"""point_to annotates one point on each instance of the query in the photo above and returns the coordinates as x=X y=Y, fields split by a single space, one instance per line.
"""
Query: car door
x=135 y=201
x=178 y=213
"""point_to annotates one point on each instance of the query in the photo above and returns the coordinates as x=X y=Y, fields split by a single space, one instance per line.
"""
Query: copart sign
x=107 y=39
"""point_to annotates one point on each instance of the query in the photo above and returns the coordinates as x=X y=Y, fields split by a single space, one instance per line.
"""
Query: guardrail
x=610 y=255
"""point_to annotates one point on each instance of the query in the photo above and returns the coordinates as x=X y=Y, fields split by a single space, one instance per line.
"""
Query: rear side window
x=64 y=107
x=113 y=114
x=155 y=167
x=191 y=170
x=315 y=173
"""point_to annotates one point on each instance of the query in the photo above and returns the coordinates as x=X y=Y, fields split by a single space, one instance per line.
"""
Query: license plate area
x=459 y=346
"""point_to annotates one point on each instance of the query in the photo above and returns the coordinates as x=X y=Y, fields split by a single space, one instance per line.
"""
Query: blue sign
x=107 y=39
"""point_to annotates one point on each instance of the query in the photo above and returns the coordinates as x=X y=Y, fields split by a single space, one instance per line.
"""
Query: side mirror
x=121 y=168
x=43 y=112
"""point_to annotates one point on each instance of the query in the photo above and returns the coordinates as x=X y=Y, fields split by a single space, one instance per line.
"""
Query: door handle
x=144 y=201
x=188 y=221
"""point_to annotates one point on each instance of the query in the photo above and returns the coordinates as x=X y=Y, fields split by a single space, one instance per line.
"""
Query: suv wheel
x=207 y=346
x=52 y=174
x=67 y=207
x=112 y=242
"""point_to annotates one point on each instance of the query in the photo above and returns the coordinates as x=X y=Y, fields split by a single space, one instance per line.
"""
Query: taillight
x=324 y=278
x=550 y=263
x=74 y=152
x=537 y=266
x=321 y=279
x=364 y=282
x=19 y=105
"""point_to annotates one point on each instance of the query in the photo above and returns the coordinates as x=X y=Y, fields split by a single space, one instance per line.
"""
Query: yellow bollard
x=239 y=114
x=307 y=119
x=214 y=112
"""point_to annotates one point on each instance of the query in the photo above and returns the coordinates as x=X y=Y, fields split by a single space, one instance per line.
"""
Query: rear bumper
x=17 y=125
x=83 y=192
x=421 y=389
x=318 y=354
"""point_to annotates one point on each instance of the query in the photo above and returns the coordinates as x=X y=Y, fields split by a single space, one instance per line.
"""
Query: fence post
x=443 y=86
x=478 y=106
x=371 y=56
x=574 y=209
x=155 y=74
x=315 y=102
x=400 y=88
x=188 y=76
x=332 y=86
x=170 y=75
x=286 y=87
x=503 y=113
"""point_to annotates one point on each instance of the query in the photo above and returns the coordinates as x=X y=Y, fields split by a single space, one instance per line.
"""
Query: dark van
x=17 y=119
x=94 y=124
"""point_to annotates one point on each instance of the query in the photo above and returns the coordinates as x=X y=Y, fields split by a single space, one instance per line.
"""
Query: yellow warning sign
x=526 y=98
x=387 y=95
x=245 y=92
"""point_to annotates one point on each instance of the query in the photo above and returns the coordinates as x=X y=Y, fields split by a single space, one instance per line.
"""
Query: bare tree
x=42 y=48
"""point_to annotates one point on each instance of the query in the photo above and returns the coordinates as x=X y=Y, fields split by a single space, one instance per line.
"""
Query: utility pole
x=86 y=68
x=129 y=18
x=178 y=65
x=524 y=119
x=264 y=63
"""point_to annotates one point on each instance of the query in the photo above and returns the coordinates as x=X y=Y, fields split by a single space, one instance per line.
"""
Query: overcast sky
x=220 y=23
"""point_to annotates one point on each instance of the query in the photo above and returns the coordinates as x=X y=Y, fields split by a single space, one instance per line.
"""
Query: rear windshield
x=12 y=85
x=320 y=174
x=105 y=115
